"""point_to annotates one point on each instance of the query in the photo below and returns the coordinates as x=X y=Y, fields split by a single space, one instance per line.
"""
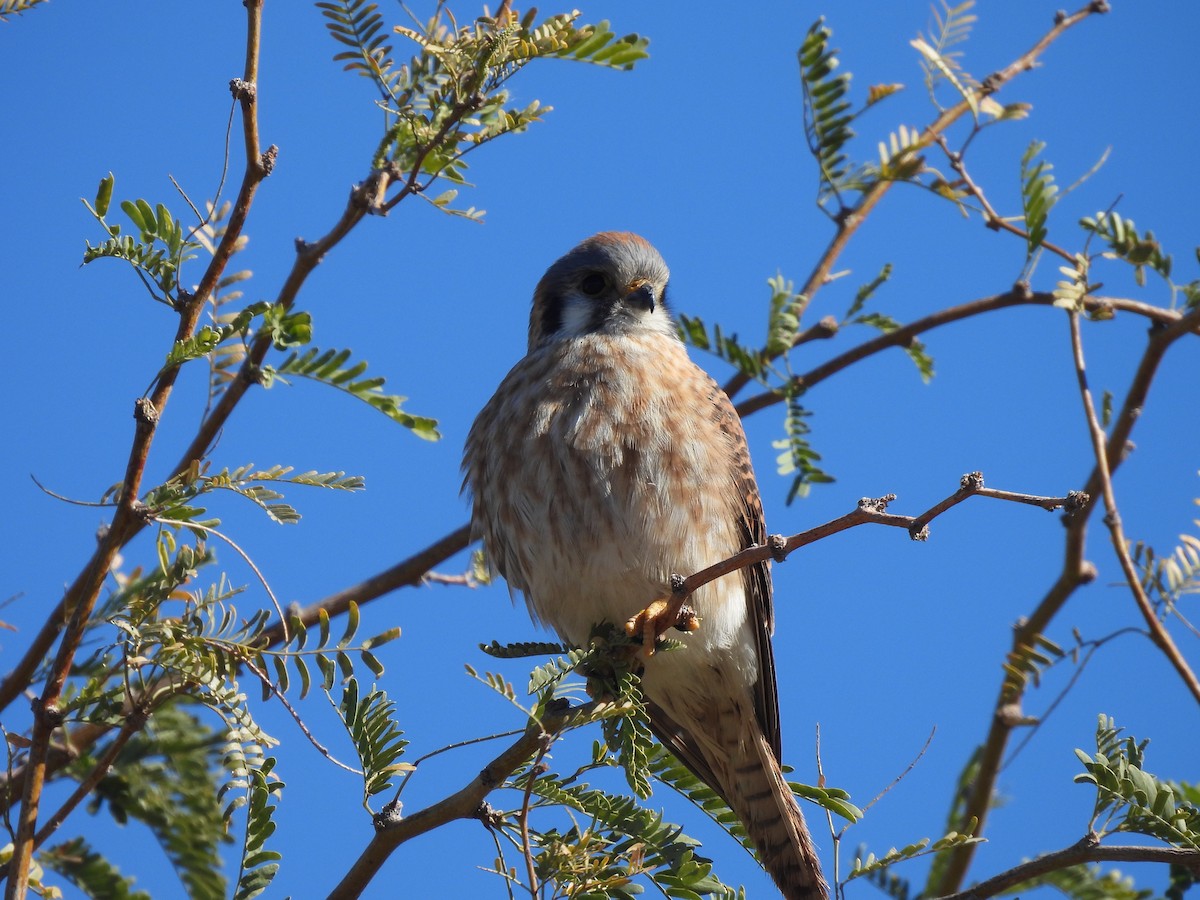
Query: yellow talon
x=656 y=619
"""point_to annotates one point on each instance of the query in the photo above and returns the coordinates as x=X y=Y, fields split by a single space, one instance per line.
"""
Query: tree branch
x=991 y=218
x=1019 y=295
x=406 y=573
x=674 y=612
x=391 y=830
x=1076 y=571
x=852 y=218
x=1158 y=633
x=79 y=600
x=1087 y=850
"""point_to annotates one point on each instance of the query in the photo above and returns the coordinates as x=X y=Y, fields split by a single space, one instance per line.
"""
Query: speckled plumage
x=606 y=461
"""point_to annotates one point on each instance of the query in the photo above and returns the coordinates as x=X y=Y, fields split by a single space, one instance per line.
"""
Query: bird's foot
x=659 y=617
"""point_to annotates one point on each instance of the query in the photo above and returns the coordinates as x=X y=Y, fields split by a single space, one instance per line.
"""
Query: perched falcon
x=605 y=462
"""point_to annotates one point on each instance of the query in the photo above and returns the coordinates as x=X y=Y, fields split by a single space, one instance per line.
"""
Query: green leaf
x=1136 y=801
x=146 y=217
x=258 y=866
x=92 y=873
x=165 y=778
x=869 y=863
x=619 y=827
x=866 y=292
x=328 y=367
x=1141 y=251
x=378 y=740
x=287 y=329
x=16 y=7
x=1038 y=196
x=750 y=363
x=352 y=619
x=104 y=195
x=951 y=27
x=783 y=322
x=798 y=458
x=827 y=114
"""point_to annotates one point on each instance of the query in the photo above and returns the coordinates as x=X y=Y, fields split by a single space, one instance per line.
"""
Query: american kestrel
x=605 y=462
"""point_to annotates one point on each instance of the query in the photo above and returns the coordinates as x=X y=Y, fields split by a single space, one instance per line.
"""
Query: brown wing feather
x=753 y=529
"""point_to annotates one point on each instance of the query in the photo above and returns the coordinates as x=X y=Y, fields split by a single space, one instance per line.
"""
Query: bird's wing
x=752 y=526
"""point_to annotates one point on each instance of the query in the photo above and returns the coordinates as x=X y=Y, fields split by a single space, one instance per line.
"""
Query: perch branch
x=869 y=512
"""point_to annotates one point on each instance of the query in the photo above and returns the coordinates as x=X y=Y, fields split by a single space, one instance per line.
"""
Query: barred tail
x=761 y=798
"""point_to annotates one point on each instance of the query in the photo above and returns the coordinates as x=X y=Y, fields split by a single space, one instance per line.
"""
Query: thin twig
x=1161 y=637
x=991 y=218
x=457 y=745
x=833 y=832
x=523 y=818
x=465 y=803
x=65 y=499
x=903 y=336
x=870 y=511
x=895 y=781
x=1092 y=646
x=852 y=218
x=262 y=579
x=312 y=739
x=1076 y=571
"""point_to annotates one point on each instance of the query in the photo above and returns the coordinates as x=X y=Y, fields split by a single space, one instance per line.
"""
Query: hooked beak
x=640 y=295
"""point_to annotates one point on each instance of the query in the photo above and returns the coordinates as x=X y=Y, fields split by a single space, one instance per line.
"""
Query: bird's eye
x=593 y=284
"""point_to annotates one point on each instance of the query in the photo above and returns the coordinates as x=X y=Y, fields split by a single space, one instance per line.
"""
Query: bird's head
x=615 y=282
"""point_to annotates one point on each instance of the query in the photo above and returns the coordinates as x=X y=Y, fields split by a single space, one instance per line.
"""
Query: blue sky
x=701 y=150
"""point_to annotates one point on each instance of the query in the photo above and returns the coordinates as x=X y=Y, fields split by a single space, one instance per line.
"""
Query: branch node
x=678 y=584
x=1076 y=501
x=491 y=817
x=972 y=481
x=245 y=91
x=50 y=713
x=267 y=160
x=1011 y=715
x=1099 y=6
x=876 y=505
x=558 y=706
x=388 y=817
x=370 y=194
x=991 y=84
x=1060 y=17
x=778 y=545
x=1087 y=572
x=145 y=413
x=919 y=533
